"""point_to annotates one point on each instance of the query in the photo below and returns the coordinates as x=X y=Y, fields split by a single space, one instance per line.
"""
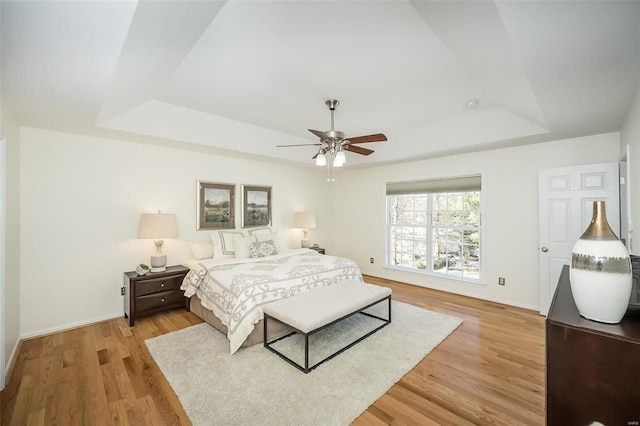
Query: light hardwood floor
x=490 y=371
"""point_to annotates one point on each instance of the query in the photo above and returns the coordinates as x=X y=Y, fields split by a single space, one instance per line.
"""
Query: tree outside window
x=435 y=232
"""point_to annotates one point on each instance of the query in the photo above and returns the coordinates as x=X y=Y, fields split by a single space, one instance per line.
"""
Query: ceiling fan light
x=321 y=160
x=340 y=159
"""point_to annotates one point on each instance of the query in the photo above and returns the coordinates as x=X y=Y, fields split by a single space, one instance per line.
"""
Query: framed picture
x=256 y=206
x=216 y=205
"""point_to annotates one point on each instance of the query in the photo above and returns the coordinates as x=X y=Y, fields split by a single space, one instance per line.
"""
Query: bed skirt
x=276 y=329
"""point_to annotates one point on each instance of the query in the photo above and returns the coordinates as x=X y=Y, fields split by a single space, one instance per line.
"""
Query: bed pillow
x=241 y=246
x=201 y=249
x=273 y=236
x=260 y=231
x=263 y=248
x=223 y=243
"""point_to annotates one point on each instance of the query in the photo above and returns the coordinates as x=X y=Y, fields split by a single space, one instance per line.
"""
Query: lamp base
x=158 y=262
x=305 y=243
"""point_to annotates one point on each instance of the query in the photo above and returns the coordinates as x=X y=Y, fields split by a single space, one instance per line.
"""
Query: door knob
x=544 y=249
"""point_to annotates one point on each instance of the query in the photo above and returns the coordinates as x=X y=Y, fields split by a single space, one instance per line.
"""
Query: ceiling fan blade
x=318 y=133
x=378 y=137
x=358 y=150
x=302 y=144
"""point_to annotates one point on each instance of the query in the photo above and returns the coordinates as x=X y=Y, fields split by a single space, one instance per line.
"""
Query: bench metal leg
x=306 y=353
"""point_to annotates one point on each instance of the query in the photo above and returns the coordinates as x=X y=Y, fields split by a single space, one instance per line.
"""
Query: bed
x=228 y=293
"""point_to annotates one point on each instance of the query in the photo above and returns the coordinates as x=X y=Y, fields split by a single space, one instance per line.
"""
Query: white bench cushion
x=313 y=309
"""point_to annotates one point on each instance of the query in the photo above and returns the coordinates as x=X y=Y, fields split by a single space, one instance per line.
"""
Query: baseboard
x=12 y=361
x=462 y=293
x=71 y=326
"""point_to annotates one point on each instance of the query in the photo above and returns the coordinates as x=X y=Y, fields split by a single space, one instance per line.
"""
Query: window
x=434 y=226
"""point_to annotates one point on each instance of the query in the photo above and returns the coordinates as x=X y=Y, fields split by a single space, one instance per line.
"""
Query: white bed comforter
x=235 y=289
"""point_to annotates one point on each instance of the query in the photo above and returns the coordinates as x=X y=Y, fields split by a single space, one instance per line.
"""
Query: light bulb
x=321 y=160
x=340 y=159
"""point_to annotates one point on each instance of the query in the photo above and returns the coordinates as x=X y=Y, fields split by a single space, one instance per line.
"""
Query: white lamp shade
x=321 y=160
x=305 y=220
x=339 y=160
x=158 y=225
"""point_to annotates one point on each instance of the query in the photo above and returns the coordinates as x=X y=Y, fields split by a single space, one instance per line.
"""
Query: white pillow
x=263 y=248
x=258 y=231
x=266 y=237
x=223 y=243
x=241 y=245
x=201 y=249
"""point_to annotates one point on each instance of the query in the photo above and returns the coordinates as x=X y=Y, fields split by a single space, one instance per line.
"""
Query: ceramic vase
x=600 y=271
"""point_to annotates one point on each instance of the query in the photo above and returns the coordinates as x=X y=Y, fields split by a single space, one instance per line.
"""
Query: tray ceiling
x=241 y=77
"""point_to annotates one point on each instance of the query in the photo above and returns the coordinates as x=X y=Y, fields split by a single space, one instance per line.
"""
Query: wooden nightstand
x=318 y=249
x=154 y=292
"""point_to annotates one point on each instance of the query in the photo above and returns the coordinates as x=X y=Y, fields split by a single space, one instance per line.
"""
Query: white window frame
x=429 y=188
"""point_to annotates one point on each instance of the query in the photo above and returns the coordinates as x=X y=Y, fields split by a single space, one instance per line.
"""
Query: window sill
x=437 y=275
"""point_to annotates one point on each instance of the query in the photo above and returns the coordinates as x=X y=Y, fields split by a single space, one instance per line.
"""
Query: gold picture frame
x=256 y=206
x=216 y=205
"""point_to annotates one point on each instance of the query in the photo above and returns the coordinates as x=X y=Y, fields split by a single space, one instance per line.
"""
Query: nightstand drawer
x=165 y=299
x=156 y=285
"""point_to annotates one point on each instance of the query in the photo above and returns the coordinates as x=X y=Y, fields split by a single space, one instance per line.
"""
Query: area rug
x=256 y=387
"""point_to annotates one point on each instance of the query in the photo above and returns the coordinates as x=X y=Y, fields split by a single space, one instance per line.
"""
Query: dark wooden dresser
x=593 y=369
x=155 y=292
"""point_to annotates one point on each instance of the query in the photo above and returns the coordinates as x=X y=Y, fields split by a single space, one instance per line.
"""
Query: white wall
x=510 y=212
x=3 y=231
x=81 y=199
x=630 y=135
x=11 y=239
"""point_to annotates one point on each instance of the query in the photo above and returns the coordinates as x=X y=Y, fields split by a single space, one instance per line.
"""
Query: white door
x=626 y=226
x=565 y=203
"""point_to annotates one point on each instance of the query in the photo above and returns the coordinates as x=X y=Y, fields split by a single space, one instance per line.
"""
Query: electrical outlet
x=371 y=260
x=122 y=291
x=501 y=281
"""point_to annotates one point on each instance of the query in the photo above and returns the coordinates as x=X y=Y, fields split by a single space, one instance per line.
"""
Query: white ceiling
x=241 y=77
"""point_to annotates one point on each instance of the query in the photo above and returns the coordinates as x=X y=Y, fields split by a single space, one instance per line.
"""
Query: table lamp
x=305 y=221
x=158 y=226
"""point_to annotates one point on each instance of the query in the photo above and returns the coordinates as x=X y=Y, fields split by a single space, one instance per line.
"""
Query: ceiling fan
x=333 y=143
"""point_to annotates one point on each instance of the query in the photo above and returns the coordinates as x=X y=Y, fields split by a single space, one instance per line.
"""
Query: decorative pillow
x=241 y=245
x=259 y=231
x=263 y=248
x=266 y=237
x=201 y=249
x=223 y=243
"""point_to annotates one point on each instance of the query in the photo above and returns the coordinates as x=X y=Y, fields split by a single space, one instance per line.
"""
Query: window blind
x=453 y=184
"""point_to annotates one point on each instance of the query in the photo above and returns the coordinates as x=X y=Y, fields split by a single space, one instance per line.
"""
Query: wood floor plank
x=369 y=419
x=427 y=408
x=36 y=418
x=64 y=405
x=490 y=371
x=375 y=416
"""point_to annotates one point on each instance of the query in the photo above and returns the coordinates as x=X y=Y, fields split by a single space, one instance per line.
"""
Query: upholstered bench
x=310 y=312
